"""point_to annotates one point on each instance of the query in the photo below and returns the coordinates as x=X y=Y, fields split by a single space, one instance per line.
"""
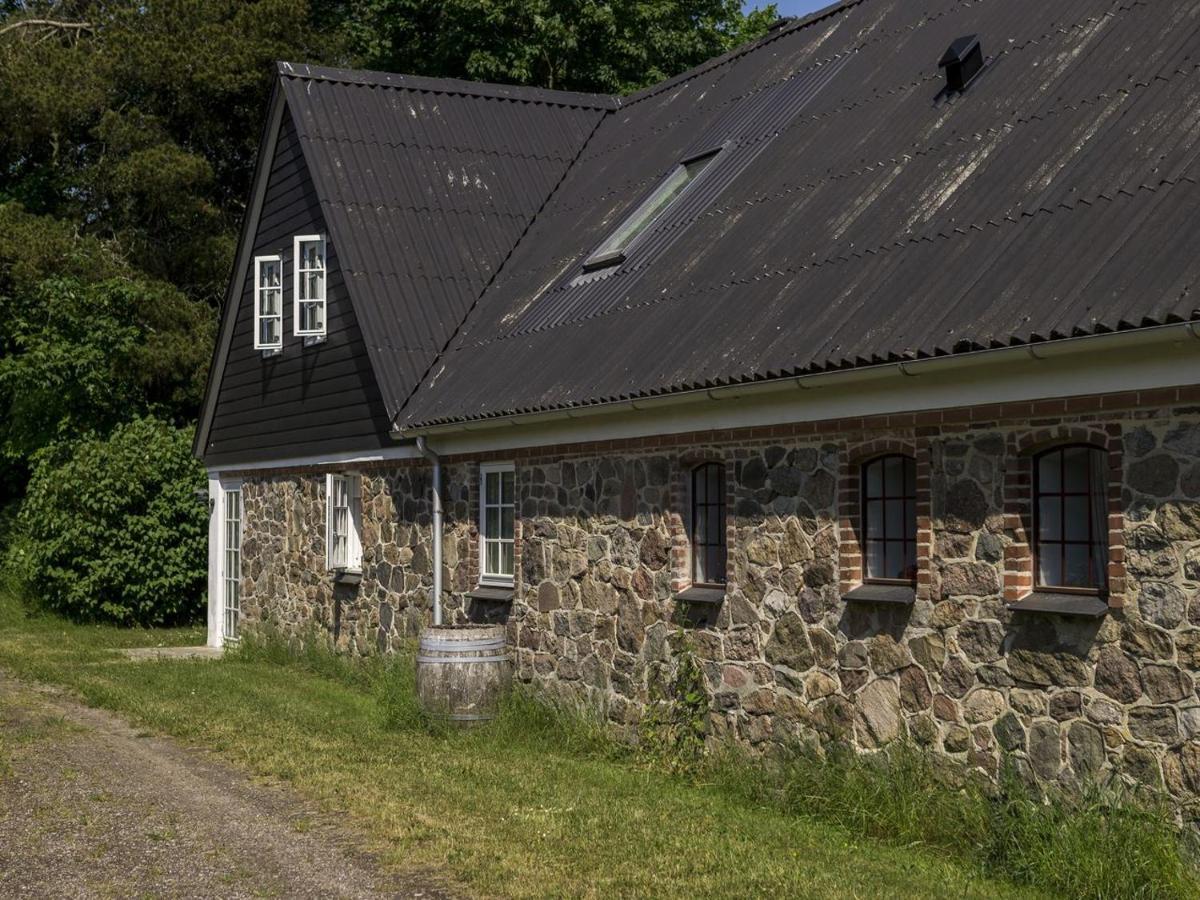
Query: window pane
x=700 y=568
x=1075 y=519
x=875 y=560
x=716 y=528
x=506 y=559
x=910 y=477
x=492 y=487
x=875 y=479
x=646 y=213
x=1050 y=518
x=492 y=563
x=894 y=510
x=1076 y=464
x=910 y=520
x=506 y=484
x=1100 y=564
x=1048 y=473
x=910 y=560
x=874 y=519
x=506 y=523
x=716 y=492
x=1077 y=566
x=491 y=527
x=1050 y=565
x=893 y=476
x=894 y=560
x=699 y=487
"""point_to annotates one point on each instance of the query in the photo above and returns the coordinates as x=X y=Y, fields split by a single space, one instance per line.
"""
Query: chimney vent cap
x=962 y=61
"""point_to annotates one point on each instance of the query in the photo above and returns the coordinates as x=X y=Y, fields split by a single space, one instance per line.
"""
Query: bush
x=111 y=528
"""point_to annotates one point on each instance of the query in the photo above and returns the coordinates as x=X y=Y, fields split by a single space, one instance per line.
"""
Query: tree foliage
x=128 y=134
x=112 y=529
x=610 y=46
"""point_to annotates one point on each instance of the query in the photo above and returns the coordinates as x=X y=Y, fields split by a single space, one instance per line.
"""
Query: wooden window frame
x=352 y=561
x=865 y=539
x=1093 y=540
x=486 y=578
x=297 y=271
x=259 y=317
x=721 y=546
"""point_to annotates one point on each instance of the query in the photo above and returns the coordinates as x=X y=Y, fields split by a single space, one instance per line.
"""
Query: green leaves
x=112 y=529
x=616 y=46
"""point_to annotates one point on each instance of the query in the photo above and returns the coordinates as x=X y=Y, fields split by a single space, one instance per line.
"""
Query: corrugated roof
x=885 y=220
x=426 y=185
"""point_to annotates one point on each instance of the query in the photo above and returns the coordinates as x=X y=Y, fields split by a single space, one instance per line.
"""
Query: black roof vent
x=962 y=61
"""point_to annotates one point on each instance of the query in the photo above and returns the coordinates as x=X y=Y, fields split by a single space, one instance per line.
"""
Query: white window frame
x=353 y=492
x=486 y=577
x=258 y=313
x=297 y=243
x=230 y=612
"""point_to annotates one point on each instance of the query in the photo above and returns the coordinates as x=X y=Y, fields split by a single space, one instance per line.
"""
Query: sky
x=790 y=7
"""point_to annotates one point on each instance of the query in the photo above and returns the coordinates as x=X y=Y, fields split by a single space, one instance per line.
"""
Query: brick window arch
x=1070 y=518
x=888 y=519
x=707 y=524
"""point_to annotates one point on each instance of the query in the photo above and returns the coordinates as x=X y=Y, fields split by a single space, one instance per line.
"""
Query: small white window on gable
x=309 y=286
x=497 y=513
x=344 y=522
x=268 y=303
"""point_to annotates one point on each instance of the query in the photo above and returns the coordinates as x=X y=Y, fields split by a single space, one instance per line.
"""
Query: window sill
x=890 y=594
x=270 y=352
x=701 y=596
x=347 y=576
x=492 y=593
x=1085 y=606
x=312 y=340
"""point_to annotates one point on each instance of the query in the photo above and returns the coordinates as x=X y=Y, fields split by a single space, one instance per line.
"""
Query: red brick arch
x=850 y=552
x=1018 y=503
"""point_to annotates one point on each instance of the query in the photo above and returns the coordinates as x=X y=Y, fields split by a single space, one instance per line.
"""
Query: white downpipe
x=430 y=455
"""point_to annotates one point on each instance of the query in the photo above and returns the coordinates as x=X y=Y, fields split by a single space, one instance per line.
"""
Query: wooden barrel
x=463 y=671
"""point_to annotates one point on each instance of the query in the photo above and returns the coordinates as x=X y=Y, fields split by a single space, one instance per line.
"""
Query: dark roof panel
x=885 y=220
x=426 y=185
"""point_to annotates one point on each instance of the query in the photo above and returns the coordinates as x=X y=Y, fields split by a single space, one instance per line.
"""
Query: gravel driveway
x=90 y=807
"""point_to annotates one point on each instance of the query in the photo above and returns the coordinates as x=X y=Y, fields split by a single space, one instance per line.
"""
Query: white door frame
x=218 y=490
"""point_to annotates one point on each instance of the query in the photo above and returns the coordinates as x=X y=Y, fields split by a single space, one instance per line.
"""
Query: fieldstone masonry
x=602 y=551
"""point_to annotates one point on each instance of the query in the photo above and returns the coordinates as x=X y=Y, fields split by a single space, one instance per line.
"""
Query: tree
x=616 y=46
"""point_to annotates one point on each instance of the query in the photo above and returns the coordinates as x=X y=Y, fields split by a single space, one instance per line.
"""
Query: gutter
x=437 y=527
x=1143 y=337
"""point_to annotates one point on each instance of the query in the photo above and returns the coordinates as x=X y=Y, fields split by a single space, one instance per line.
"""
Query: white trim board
x=1015 y=378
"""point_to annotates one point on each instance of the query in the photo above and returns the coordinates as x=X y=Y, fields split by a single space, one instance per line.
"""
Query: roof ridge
x=428 y=84
x=777 y=32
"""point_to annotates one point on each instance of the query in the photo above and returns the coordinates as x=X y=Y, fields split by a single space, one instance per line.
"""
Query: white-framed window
x=343 y=522
x=268 y=302
x=497 y=517
x=309 y=285
x=231 y=564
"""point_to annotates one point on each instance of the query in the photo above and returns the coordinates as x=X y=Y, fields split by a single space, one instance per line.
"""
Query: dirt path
x=91 y=808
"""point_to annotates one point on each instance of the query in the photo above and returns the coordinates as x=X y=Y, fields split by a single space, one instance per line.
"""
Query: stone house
x=868 y=365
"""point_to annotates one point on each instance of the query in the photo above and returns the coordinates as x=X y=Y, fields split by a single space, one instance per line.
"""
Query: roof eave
x=1133 y=338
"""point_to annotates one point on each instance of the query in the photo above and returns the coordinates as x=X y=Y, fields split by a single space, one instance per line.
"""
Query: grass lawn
x=502 y=813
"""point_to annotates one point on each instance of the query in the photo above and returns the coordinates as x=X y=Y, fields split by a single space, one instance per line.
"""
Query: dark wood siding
x=308 y=400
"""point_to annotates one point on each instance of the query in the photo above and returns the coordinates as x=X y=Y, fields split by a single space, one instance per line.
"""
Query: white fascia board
x=903 y=388
x=348 y=460
x=214 y=560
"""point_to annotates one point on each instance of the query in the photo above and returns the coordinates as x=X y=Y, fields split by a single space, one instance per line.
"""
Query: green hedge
x=111 y=528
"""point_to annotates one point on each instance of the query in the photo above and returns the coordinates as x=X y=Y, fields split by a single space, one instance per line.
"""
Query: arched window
x=889 y=519
x=708 y=524
x=1070 y=510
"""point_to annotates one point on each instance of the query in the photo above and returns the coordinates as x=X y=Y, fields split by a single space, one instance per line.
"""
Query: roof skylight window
x=683 y=176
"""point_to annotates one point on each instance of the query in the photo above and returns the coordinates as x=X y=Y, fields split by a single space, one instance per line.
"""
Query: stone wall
x=602 y=550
